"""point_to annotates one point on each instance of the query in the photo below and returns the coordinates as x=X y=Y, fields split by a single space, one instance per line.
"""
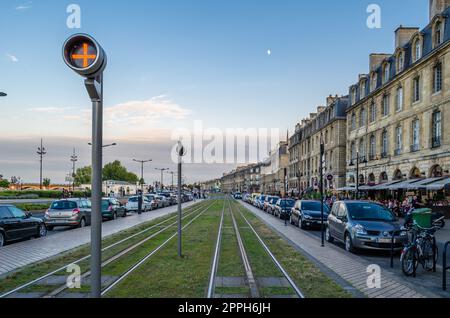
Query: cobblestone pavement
x=15 y=256
x=354 y=268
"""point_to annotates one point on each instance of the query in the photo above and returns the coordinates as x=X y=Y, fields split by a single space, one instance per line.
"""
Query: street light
x=172 y=173
x=3 y=94
x=105 y=146
x=142 y=162
x=162 y=175
x=41 y=152
x=74 y=159
x=84 y=55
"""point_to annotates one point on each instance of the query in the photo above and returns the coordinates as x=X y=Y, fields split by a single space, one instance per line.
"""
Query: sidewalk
x=15 y=256
x=350 y=267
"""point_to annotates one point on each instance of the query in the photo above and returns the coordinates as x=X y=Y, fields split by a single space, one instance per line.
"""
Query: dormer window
x=437 y=33
x=417 y=54
x=354 y=95
x=373 y=82
x=363 y=89
x=386 y=73
x=400 y=61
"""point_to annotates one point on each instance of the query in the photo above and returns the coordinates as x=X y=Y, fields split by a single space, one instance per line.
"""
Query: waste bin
x=423 y=218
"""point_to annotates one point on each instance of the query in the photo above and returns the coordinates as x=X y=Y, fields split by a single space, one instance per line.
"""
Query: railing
x=398 y=152
x=384 y=155
x=445 y=268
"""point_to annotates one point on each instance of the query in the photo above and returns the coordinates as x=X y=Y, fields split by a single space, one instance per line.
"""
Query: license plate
x=384 y=240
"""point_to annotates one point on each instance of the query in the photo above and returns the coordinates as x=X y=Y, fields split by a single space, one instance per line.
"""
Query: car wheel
x=2 y=239
x=301 y=223
x=42 y=231
x=82 y=223
x=328 y=236
x=349 y=244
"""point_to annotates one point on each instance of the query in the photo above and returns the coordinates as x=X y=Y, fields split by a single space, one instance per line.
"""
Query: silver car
x=364 y=225
x=69 y=213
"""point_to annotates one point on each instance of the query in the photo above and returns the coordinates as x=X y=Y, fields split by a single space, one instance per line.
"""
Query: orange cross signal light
x=86 y=57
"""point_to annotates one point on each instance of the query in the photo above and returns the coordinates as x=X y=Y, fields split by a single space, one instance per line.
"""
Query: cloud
x=145 y=112
x=51 y=110
x=25 y=6
x=12 y=58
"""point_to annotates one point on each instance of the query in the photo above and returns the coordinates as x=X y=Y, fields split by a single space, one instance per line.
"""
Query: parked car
x=364 y=225
x=237 y=196
x=282 y=209
x=16 y=224
x=260 y=201
x=68 y=213
x=133 y=204
x=112 y=208
x=269 y=202
x=307 y=213
x=161 y=201
x=151 y=198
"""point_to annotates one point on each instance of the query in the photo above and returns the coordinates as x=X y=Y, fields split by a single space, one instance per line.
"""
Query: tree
x=83 y=176
x=4 y=183
x=46 y=182
x=115 y=171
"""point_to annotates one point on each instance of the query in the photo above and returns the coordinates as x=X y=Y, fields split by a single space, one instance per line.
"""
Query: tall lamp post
x=142 y=162
x=173 y=174
x=74 y=159
x=41 y=152
x=84 y=55
x=322 y=224
x=181 y=151
x=162 y=175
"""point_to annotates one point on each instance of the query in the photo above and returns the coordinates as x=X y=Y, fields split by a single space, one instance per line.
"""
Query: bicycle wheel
x=428 y=256
x=407 y=261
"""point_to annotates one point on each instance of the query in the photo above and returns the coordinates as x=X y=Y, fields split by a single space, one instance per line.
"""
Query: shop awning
x=438 y=185
x=422 y=184
x=402 y=185
x=346 y=189
x=384 y=186
x=366 y=187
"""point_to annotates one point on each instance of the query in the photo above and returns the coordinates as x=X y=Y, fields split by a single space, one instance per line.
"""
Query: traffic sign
x=84 y=55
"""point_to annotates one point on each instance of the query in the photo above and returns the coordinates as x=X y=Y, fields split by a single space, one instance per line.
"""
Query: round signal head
x=84 y=55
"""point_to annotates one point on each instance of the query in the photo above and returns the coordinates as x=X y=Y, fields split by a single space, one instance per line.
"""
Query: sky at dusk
x=228 y=63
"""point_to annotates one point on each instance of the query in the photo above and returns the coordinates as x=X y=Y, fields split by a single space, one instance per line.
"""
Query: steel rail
x=215 y=262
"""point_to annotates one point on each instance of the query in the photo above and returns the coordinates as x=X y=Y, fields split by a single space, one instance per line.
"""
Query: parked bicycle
x=421 y=249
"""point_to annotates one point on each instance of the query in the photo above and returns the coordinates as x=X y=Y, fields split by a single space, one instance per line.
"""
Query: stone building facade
x=397 y=113
x=327 y=126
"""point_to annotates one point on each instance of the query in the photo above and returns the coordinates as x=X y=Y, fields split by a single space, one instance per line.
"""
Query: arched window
x=417 y=47
x=362 y=90
x=398 y=140
x=353 y=95
x=398 y=175
x=362 y=117
x=436 y=124
x=373 y=112
x=415 y=173
x=383 y=177
x=362 y=150
x=399 y=99
x=373 y=82
x=436 y=172
x=437 y=34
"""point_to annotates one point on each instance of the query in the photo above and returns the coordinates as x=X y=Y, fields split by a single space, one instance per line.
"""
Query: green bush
x=32 y=207
x=36 y=194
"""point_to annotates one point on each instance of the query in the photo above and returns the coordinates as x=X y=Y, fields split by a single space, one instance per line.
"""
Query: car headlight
x=359 y=229
x=307 y=217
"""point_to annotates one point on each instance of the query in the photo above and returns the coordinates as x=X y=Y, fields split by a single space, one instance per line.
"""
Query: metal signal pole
x=41 y=152
x=74 y=159
x=141 y=198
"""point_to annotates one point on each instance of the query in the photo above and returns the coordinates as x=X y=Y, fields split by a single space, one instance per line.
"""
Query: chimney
x=376 y=59
x=403 y=35
x=331 y=99
x=437 y=7
x=320 y=109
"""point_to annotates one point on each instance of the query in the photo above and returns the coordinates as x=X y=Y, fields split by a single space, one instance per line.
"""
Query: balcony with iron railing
x=384 y=155
x=398 y=152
